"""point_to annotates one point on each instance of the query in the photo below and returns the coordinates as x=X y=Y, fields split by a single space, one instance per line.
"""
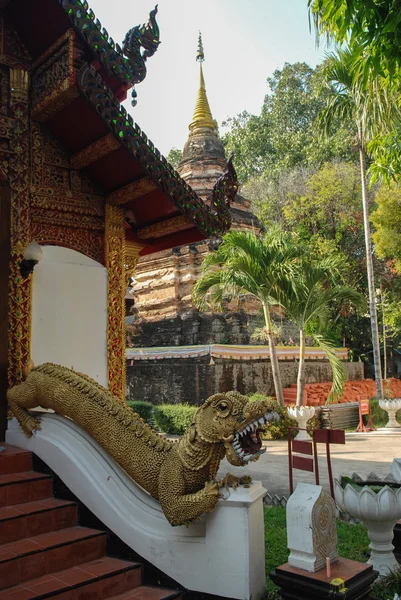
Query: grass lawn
x=353 y=543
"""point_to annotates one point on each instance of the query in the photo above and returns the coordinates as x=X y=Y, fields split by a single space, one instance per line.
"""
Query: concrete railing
x=221 y=554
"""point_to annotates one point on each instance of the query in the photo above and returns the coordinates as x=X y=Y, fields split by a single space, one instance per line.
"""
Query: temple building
x=83 y=192
x=160 y=300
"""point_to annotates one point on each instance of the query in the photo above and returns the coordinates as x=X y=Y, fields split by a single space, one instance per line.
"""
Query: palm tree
x=247 y=264
x=317 y=290
x=369 y=103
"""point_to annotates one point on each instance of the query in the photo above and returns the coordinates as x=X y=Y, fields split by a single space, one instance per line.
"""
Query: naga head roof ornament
x=144 y=36
x=202 y=116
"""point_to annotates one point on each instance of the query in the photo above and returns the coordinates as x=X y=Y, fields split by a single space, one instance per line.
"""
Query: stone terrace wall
x=192 y=380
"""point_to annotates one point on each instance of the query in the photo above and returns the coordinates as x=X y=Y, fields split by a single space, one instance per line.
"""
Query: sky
x=244 y=42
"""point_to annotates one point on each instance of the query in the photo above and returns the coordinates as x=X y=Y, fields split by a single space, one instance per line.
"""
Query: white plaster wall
x=69 y=312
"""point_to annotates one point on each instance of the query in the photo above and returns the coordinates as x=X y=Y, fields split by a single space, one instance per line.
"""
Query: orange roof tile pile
x=316 y=393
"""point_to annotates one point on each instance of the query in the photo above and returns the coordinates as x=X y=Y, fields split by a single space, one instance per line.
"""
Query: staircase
x=44 y=553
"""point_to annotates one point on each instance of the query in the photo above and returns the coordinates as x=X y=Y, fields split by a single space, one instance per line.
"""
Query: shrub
x=273 y=430
x=386 y=588
x=278 y=431
x=173 y=418
x=144 y=409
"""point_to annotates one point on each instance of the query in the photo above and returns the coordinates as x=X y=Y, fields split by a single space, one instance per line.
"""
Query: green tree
x=330 y=209
x=247 y=264
x=371 y=28
x=249 y=137
x=174 y=157
x=291 y=109
x=368 y=104
x=387 y=221
x=317 y=290
x=284 y=134
x=373 y=32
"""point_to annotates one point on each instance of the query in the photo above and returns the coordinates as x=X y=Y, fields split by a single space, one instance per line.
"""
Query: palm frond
x=337 y=367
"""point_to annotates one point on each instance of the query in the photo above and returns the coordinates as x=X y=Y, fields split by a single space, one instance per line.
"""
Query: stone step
x=92 y=580
x=47 y=553
x=33 y=518
x=144 y=592
x=14 y=460
x=29 y=486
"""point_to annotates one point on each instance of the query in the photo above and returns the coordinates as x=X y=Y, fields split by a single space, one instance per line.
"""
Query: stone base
x=296 y=584
x=397 y=541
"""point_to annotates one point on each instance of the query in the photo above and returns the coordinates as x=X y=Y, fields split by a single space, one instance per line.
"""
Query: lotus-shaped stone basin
x=379 y=510
x=391 y=407
x=301 y=414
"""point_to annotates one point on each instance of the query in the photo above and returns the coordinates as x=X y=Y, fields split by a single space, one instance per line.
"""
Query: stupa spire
x=202 y=116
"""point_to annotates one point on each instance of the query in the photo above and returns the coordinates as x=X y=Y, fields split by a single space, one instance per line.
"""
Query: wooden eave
x=102 y=139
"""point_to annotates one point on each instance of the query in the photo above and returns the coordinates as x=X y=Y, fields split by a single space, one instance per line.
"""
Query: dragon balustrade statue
x=180 y=475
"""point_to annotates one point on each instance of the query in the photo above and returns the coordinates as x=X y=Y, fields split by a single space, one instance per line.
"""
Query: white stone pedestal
x=302 y=414
x=379 y=512
x=222 y=554
x=311 y=528
x=391 y=407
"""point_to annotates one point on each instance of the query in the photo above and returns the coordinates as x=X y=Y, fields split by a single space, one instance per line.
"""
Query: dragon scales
x=181 y=475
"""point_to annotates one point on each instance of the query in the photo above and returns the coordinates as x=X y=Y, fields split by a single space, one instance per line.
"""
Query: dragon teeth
x=261 y=421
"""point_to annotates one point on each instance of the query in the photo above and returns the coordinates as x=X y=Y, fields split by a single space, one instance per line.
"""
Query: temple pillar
x=19 y=307
x=115 y=261
x=5 y=206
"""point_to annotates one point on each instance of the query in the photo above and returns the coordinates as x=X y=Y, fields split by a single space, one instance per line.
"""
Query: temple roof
x=83 y=112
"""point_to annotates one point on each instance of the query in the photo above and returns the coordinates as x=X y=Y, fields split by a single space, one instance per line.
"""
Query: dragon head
x=235 y=421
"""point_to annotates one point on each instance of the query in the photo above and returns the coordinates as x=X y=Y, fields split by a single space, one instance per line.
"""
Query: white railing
x=222 y=554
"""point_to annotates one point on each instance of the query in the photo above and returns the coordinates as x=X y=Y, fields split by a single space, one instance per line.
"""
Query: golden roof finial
x=200 y=56
x=202 y=116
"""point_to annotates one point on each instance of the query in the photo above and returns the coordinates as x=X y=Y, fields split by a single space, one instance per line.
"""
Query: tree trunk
x=370 y=275
x=301 y=369
x=278 y=388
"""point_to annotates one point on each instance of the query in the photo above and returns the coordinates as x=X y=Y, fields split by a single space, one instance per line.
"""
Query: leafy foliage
x=279 y=430
x=373 y=27
x=284 y=134
x=174 y=418
x=387 y=587
x=387 y=221
x=174 y=157
x=144 y=409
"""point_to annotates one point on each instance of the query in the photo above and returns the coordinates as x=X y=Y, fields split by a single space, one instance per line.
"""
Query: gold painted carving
x=19 y=83
x=117 y=285
x=56 y=101
x=164 y=228
x=132 y=250
x=19 y=315
x=324 y=529
x=64 y=201
x=132 y=191
x=54 y=81
x=182 y=475
x=94 y=152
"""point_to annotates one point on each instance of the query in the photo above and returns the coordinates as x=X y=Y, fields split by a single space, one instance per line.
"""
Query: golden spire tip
x=200 y=55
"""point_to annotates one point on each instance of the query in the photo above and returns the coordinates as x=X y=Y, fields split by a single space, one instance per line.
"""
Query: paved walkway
x=362 y=453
